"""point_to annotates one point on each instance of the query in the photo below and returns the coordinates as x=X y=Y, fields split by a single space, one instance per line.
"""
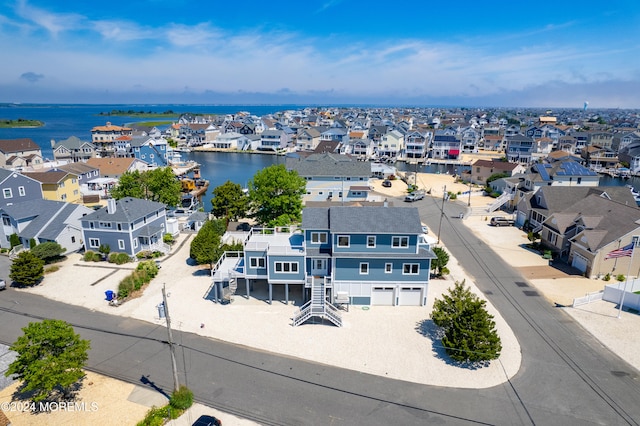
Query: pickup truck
x=414 y=196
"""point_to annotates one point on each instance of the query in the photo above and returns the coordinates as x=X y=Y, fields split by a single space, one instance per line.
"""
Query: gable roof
x=365 y=219
x=112 y=166
x=73 y=142
x=77 y=168
x=327 y=164
x=128 y=209
x=498 y=165
x=48 y=177
x=18 y=145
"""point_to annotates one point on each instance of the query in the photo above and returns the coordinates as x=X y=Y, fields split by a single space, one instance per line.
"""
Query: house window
x=286 y=267
x=388 y=268
x=105 y=224
x=398 y=242
x=119 y=227
x=371 y=241
x=94 y=242
x=63 y=197
x=7 y=193
x=343 y=241
x=410 y=269
x=553 y=238
x=256 y=262
x=6 y=221
x=120 y=244
x=73 y=239
x=135 y=243
x=318 y=237
x=21 y=191
x=364 y=268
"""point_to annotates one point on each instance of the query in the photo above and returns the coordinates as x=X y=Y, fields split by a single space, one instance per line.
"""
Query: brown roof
x=111 y=166
x=17 y=145
x=47 y=177
x=110 y=128
x=500 y=165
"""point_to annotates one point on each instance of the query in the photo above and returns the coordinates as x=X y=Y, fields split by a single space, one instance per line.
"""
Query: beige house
x=20 y=153
x=481 y=170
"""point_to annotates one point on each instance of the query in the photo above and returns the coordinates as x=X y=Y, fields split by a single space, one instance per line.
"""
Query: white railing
x=15 y=251
x=500 y=201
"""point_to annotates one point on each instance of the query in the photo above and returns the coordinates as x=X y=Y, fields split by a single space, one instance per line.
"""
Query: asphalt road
x=566 y=378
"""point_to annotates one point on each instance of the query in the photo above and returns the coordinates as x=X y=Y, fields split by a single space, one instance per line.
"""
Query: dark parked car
x=501 y=221
x=386 y=183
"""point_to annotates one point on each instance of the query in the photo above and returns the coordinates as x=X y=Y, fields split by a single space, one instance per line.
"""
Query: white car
x=3 y=285
x=425 y=229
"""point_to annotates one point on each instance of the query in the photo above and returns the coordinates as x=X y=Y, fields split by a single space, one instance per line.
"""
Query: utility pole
x=172 y=349
x=469 y=202
x=444 y=196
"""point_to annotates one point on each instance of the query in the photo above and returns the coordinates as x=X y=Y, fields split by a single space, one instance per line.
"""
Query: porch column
x=286 y=293
x=270 y=293
x=246 y=281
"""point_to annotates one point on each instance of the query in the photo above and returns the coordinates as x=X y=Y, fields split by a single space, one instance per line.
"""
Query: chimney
x=386 y=203
x=111 y=205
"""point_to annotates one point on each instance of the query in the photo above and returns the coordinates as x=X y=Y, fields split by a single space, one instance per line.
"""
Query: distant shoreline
x=20 y=124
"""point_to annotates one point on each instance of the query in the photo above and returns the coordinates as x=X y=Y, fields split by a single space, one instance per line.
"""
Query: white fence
x=613 y=293
x=590 y=297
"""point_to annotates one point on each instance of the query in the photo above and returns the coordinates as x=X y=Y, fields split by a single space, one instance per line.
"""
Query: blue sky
x=404 y=52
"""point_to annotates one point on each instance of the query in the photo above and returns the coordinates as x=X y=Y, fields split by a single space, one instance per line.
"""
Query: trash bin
x=109 y=294
x=161 y=310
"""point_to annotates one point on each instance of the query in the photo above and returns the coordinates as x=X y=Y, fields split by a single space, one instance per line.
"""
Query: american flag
x=621 y=252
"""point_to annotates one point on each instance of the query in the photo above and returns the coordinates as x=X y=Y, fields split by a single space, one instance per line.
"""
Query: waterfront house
x=332 y=177
x=469 y=138
x=273 y=140
x=84 y=171
x=307 y=139
x=152 y=151
x=417 y=143
x=19 y=154
x=598 y=158
x=72 y=149
x=631 y=155
x=116 y=167
x=628 y=139
x=231 y=141
x=602 y=139
x=391 y=145
x=445 y=146
x=43 y=221
x=104 y=137
x=58 y=185
x=371 y=255
x=16 y=188
x=519 y=148
x=129 y=225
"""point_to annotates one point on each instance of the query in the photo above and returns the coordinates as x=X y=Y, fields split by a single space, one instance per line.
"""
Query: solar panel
x=543 y=172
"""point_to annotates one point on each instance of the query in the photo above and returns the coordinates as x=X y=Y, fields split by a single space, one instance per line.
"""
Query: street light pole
x=469 y=202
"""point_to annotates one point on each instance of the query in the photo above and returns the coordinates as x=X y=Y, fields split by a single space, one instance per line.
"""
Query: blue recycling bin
x=109 y=294
x=161 y=313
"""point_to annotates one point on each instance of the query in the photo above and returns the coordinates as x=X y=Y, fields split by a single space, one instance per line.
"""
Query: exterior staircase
x=318 y=306
x=500 y=201
x=229 y=292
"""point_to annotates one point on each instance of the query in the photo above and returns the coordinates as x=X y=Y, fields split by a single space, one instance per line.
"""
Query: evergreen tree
x=48 y=251
x=27 y=269
x=469 y=330
x=50 y=357
x=205 y=246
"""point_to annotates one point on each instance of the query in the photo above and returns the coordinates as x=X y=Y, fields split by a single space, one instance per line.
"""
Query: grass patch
x=20 y=122
x=153 y=123
x=52 y=268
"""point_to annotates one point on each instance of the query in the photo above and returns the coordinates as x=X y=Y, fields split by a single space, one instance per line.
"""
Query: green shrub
x=104 y=249
x=125 y=287
x=607 y=277
x=92 y=256
x=14 y=240
x=139 y=278
x=156 y=416
x=181 y=399
x=119 y=258
x=144 y=254
x=149 y=267
x=168 y=239
x=620 y=277
x=51 y=269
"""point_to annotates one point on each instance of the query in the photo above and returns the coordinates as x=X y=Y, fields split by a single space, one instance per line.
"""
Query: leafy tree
x=205 y=245
x=469 y=330
x=27 y=269
x=159 y=184
x=129 y=185
x=162 y=186
x=496 y=176
x=229 y=201
x=50 y=358
x=275 y=195
x=48 y=251
x=440 y=262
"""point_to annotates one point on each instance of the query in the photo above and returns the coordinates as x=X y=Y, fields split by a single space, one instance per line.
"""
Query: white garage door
x=382 y=296
x=579 y=262
x=410 y=296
